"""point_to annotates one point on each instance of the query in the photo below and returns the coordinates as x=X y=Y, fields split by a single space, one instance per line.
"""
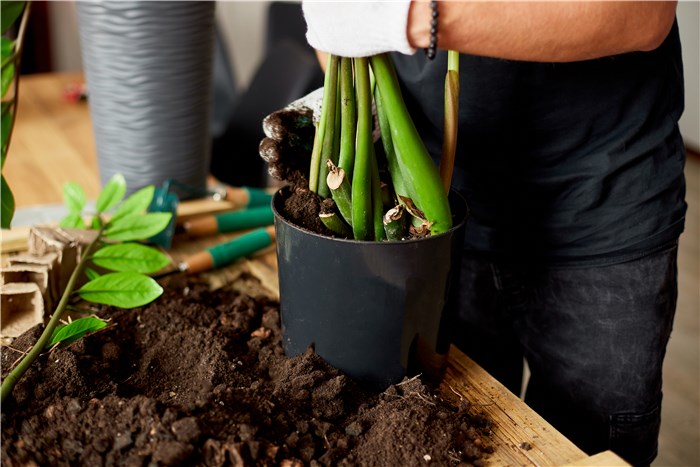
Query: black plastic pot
x=372 y=309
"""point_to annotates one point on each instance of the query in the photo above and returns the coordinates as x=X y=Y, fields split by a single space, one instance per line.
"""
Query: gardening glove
x=358 y=28
x=289 y=138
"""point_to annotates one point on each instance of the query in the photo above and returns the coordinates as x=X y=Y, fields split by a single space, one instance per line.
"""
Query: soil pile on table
x=200 y=378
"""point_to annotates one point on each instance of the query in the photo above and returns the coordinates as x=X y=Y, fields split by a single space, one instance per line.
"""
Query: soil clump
x=200 y=378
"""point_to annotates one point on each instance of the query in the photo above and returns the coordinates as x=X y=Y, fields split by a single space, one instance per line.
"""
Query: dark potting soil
x=302 y=207
x=199 y=378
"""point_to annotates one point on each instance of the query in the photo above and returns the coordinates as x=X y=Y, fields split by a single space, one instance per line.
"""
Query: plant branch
x=14 y=376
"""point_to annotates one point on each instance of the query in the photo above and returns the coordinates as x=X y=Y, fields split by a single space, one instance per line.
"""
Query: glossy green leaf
x=121 y=289
x=137 y=203
x=130 y=257
x=96 y=223
x=91 y=274
x=73 y=221
x=138 y=227
x=5 y=125
x=8 y=74
x=74 y=197
x=75 y=330
x=7 y=204
x=111 y=194
x=10 y=12
x=7 y=46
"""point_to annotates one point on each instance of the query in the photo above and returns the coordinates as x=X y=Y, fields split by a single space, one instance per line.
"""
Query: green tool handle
x=257 y=197
x=239 y=247
x=245 y=219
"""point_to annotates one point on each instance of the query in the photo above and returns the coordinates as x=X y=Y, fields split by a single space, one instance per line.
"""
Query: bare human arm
x=544 y=31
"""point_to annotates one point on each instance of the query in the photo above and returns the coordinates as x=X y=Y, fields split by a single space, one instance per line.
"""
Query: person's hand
x=290 y=137
x=358 y=28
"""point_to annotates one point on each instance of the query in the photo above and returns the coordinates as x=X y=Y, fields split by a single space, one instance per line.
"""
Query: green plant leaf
x=121 y=289
x=130 y=257
x=74 y=197
x=91 y=274
x=5 y=125
x=96 y=223
x=10 y=12
x=7 y=46
x=8 y=74
x=7 y=204
x=73 y=221
x=111 y=194
x=75 y=330
x=137 y=203
x=138 y=227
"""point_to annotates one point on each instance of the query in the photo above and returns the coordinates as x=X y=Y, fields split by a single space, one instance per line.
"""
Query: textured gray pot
x=148 y=67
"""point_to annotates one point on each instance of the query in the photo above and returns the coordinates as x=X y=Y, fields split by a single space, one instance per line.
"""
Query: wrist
x=418 y=26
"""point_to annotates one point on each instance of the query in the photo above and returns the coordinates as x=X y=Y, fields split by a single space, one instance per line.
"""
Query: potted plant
x=371 y=287
x=111 y=270
x=13 y=12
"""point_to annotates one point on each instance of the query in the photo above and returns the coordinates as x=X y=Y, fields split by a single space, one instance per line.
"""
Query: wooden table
x=53 y=144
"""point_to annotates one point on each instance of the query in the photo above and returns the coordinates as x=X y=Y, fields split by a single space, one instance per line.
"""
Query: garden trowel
x=225 y=253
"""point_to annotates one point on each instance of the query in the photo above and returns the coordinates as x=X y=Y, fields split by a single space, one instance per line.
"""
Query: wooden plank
x=14 y=240
x=603 y=459
x=520 y=436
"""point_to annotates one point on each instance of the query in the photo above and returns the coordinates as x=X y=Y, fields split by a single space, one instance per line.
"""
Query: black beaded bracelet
x=432 y=47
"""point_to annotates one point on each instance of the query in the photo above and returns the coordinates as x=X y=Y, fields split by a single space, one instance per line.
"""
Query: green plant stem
x=395 y=223
x=14 y=376
x=335 y=224
x=420 y=172
x=362 y=171
x=319 y=137
x=451 y=121
x=348 y=129
x=314 y=166
x=377 y=203
x=328 y=113
x=341 y=191
x=389 y=150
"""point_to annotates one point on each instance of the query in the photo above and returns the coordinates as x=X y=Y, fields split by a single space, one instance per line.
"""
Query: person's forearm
x=543 y=31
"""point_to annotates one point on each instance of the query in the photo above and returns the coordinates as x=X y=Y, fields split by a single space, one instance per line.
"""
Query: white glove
x=358 y=28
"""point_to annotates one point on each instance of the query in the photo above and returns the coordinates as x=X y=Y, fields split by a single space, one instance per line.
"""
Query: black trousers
x=594 y=338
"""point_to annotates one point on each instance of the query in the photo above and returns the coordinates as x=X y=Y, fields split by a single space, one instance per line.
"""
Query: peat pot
x=371 y=309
